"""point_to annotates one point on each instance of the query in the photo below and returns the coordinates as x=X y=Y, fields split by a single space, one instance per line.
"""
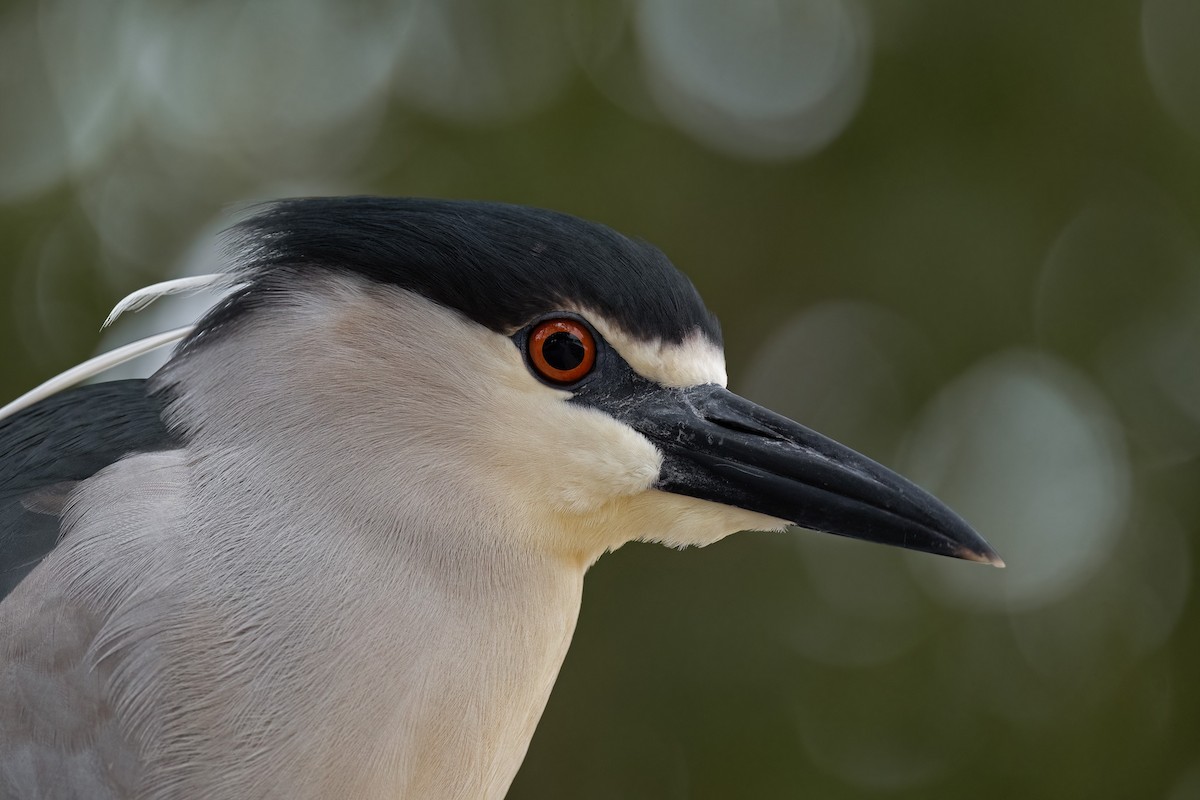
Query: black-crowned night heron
x=335 y=547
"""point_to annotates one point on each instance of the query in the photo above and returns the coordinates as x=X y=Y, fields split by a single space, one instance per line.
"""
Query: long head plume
x=135 y=301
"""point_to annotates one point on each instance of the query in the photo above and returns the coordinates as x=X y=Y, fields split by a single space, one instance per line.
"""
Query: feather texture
x=136 y=301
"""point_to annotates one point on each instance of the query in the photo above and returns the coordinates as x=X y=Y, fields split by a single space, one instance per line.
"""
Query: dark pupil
x=563 y=351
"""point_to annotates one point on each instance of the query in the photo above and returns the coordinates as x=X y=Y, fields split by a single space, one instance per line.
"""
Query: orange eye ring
x=562 y=351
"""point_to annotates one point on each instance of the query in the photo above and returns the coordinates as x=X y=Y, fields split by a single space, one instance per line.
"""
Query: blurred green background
x=961 y=237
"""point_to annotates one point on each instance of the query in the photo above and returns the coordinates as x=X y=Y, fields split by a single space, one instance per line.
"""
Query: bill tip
x=984 y=557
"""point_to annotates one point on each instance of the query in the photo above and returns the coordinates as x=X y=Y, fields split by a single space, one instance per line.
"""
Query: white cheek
x=568 y=458
x=610 y=461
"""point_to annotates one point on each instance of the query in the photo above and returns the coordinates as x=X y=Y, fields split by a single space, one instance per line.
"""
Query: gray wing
x=47 y=448
x=59 y=736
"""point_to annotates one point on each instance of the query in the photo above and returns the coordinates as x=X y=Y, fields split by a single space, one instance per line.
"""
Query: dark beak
x=721 y=447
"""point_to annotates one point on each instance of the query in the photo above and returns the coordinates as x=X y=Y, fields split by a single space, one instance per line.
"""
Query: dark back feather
x=47 y=448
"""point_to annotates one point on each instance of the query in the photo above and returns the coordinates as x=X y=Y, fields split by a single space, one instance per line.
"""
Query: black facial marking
x=500 y=265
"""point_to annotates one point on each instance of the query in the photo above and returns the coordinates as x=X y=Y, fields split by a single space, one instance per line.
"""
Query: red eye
x=562 y=350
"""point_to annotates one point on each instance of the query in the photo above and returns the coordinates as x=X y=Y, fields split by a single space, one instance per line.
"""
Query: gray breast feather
x=60 y=737
x=67 y=636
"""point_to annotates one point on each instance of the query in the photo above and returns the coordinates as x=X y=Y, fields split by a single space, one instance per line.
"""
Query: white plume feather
x=147 y=295
x=133 y=302
x=93 y=366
